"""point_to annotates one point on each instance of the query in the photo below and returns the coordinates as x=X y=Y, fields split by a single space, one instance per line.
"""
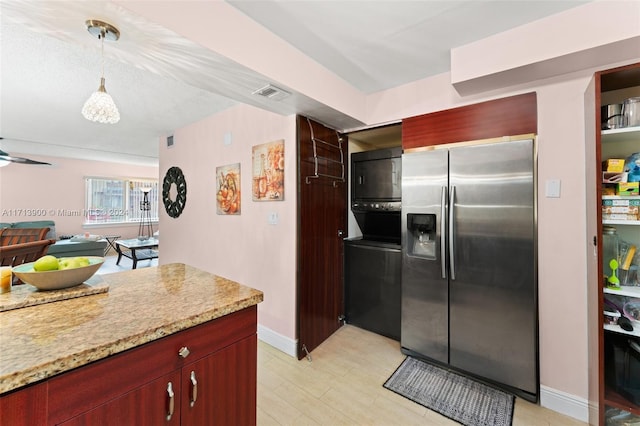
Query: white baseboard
x=278 y=341
x=565 y=403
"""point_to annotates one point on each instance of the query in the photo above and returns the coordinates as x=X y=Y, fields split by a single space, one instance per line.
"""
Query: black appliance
x=373 y=262
x=376 y=176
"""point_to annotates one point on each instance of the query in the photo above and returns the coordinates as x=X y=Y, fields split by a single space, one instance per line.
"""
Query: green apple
x=46 y=263
x=82 y=262
x=73 y=262
x=65 y=263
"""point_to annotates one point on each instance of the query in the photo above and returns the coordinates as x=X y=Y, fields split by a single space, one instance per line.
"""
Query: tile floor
x=109 y=266
x=343 y=386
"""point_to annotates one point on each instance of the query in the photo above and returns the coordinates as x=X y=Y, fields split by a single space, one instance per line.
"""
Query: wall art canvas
x=268 y=171
x=228 y=189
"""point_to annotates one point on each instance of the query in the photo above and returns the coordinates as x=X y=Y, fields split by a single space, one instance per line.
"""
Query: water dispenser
x=421 y=235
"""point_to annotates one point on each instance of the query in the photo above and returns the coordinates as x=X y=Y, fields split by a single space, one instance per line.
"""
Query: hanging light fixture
x=100 y=106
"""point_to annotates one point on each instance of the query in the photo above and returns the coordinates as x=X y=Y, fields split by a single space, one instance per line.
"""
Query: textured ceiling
x=161 y=81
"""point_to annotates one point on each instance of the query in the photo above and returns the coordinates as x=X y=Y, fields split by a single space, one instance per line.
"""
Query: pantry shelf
x=621 y=222
x=617 y=329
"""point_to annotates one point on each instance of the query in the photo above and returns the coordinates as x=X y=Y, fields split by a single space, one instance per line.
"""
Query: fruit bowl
x=58 y=279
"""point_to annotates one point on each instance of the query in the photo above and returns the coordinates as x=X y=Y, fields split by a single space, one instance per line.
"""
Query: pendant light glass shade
x=100 y=107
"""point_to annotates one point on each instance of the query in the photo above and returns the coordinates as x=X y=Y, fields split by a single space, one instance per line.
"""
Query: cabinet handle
x=170 y=394
x=194 y=389
x=184 y=352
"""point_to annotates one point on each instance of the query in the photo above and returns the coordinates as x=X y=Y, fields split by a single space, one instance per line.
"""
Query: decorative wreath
x=174 y=207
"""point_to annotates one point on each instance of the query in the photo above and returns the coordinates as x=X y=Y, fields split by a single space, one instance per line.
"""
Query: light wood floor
x=343 y=386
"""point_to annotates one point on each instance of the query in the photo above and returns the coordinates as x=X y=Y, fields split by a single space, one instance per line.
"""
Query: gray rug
x=457 y=397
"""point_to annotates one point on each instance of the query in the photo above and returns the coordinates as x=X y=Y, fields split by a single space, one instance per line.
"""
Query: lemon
x=46 y=263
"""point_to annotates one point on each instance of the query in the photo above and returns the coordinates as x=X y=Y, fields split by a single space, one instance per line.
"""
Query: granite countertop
x=141 y=305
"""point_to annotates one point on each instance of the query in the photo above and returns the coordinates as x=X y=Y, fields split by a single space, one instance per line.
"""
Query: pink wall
x=44 y=192
x=245 y=247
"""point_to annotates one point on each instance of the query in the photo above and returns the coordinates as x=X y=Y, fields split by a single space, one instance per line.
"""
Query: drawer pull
x=170 y=394
x=184 y=352
x=194 y=389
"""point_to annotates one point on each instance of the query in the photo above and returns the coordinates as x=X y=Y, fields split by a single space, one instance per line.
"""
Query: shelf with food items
x=621 y=210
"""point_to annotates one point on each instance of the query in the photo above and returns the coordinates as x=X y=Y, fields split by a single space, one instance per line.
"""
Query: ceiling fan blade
x=6 y=157
x=21 y=160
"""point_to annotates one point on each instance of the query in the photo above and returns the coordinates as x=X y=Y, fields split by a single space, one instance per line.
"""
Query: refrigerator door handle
x=452 y=263
x=443 y=233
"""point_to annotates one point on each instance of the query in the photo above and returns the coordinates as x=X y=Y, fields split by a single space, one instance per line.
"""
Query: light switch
x=272 y=217
x=552 y=188
x=227 y=138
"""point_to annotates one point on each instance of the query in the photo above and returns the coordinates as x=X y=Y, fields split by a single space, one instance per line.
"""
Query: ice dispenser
x=421 y=235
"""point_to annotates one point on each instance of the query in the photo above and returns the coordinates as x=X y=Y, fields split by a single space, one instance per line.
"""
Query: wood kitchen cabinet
x=133 y=387
x=25 y=407
x=511 y=116
x=147 y=405
x=205 y=392
x=226 y=387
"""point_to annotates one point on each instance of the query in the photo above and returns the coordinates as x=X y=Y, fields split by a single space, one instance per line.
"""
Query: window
x=110 y=200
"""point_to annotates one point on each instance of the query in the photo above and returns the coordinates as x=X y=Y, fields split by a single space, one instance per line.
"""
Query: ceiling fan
x=5 y=159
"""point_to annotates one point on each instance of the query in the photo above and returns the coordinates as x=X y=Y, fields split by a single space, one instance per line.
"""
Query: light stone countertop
x=141 y=305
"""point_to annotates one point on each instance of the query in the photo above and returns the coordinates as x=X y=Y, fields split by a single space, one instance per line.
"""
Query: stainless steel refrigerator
x=469 y=283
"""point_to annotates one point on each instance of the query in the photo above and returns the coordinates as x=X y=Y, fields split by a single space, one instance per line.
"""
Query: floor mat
x=457 y=397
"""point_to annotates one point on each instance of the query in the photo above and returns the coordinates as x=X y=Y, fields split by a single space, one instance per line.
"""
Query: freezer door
x=424 y=325
x=493 y=297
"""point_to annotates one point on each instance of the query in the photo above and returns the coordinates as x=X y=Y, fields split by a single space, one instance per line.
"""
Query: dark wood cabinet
x=152 y=384
x=26 y=407
x=146 y=405
x=322 y=223
x=512 y=116
x=223 y=385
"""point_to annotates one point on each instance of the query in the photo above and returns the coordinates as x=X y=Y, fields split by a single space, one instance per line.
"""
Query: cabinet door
x=148 y=405
x=226 y=387
x=25 y=407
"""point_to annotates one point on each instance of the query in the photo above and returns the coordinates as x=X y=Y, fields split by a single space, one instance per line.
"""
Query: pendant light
x=100 y=106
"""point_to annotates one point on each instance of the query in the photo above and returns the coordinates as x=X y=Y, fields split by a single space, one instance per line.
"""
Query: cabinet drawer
x=79 y=390
x=147 y=405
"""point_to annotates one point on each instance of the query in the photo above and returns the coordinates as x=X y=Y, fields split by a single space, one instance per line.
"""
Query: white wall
x=245 y=247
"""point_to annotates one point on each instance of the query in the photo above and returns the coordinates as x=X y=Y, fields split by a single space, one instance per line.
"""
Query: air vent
x=170 y=141
x=272 y=92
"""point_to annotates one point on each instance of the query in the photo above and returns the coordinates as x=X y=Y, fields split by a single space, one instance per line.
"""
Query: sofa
x=62 y=248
